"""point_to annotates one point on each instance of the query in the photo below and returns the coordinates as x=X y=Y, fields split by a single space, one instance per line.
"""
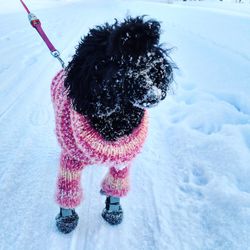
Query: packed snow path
x=190 y=185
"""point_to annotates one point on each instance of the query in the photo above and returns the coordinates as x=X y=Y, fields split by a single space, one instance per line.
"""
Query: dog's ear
x=134 y=37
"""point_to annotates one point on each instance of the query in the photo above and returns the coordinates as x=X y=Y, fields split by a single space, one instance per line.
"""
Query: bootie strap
x=113 y=204
x=66 y=211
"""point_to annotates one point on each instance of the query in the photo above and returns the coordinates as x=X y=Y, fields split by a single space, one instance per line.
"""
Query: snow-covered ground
x=191 y=183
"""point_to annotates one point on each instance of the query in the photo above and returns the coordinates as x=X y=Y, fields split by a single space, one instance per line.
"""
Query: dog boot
x=66 y=220
x=113 y=213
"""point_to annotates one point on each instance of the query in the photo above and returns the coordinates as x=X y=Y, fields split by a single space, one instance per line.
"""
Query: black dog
x=116 y=73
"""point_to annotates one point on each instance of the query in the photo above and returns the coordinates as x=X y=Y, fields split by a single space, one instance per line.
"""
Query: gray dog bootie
x=113 y=213
x=66 y=220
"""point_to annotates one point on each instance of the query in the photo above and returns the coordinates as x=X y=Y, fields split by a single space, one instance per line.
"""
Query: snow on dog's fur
x=117 y=71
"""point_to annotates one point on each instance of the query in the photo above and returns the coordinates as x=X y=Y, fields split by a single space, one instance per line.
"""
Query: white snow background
x=190 y=184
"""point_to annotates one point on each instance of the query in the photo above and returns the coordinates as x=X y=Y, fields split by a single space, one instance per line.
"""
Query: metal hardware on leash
x=56 y=54
x=35 y=22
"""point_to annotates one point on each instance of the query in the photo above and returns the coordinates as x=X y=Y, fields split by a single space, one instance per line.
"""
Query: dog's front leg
x=116 y=182
x=115 y=185
x=68 y=192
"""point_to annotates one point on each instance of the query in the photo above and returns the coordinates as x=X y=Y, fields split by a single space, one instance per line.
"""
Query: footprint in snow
x=193 y=182
x=192 y=191
x=199 y=177
x=239 y=101
x=187 y=93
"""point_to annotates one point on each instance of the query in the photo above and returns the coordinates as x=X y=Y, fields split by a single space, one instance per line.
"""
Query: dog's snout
x=150 y=99
x=154 y=93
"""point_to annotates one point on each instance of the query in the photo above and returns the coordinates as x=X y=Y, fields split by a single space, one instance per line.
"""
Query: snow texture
x=190 y=185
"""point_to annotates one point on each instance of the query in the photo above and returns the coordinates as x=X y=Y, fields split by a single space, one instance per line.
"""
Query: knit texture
x=116 y=182
x=82 y=145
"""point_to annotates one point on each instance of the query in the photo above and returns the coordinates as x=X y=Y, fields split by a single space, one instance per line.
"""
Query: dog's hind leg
x=68 y=192
x=115 y=185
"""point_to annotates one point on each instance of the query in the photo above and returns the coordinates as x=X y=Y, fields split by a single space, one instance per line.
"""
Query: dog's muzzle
x=150 y=99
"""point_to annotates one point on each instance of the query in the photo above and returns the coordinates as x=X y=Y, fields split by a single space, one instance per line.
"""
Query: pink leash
x=35 y=22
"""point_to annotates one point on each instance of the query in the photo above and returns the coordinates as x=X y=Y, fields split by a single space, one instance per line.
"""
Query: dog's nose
x=152 y=97
x=154 y=94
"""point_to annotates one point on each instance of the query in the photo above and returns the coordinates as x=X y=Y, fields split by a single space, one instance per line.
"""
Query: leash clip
x=56 y=54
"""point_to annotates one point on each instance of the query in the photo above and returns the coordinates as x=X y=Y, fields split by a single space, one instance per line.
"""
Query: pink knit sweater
x=82 y=142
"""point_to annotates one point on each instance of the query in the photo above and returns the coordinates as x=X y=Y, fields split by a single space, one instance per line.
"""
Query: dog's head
x=119 y=66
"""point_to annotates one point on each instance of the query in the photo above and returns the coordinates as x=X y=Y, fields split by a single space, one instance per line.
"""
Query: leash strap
x=35 y=22
x=25 y=7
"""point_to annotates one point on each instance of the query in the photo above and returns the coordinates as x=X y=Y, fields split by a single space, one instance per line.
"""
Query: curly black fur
x=112 y=72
